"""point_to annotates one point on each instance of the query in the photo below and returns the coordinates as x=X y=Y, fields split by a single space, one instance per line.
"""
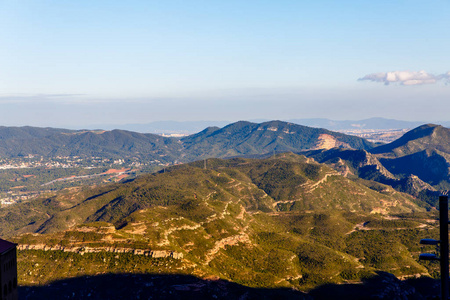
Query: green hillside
x=244 y=138
x=284 y=221
x=51 y=142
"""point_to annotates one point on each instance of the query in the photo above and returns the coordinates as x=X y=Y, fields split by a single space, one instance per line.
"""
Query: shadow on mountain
x=151 y=286
x=382 y=286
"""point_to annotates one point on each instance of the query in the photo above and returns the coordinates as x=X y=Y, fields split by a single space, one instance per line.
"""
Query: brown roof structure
x=5 y=245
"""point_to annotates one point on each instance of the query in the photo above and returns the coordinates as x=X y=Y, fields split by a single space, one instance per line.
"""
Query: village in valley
x=28 y=177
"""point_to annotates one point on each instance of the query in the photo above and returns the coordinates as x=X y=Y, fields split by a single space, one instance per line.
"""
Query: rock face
x=82 y=250
x=352 y=161
x=414 y=184
x=327 y=141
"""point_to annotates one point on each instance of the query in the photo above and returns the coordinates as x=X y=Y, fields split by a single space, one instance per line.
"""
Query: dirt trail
x=315 y=185
x=360 y=226
x=363 y=226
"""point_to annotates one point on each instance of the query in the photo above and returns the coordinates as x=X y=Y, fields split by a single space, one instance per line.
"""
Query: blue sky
x=79 y=63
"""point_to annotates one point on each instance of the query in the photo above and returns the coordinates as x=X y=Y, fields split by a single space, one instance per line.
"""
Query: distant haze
x=87 y=63
x=189 y=127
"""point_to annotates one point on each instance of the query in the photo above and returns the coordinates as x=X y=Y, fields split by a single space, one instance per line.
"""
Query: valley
x=26 y=178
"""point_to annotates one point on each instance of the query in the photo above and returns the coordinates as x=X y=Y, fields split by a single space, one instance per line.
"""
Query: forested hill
x=51 y=142
x=241 y=138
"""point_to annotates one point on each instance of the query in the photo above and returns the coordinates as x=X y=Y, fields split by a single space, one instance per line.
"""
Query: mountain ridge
x=423 y=152
x=245 y=138
x=190 y=127
x=238 y=138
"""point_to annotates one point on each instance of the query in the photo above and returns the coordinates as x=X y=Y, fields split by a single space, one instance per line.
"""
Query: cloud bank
x=406 y=77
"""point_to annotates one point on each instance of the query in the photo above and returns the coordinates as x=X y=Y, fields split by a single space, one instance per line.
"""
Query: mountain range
x=338 y=210
x=240 y=138
x=190 y=127
x=418 y=162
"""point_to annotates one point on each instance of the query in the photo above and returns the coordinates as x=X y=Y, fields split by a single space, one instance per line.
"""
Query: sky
x=81 y=63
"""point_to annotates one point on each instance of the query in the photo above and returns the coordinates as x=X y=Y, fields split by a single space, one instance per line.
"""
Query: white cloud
x=406 y=77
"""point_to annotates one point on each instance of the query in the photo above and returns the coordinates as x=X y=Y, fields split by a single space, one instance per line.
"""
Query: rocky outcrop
x=327 y=141
x=83 y=250
x=348 y=161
